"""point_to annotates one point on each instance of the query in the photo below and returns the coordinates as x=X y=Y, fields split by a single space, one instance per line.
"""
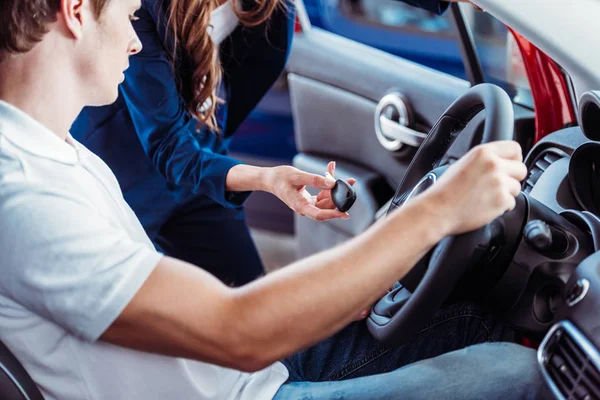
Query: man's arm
x=183 y=311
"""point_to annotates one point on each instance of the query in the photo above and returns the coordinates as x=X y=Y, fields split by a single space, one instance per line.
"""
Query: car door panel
x=371 y=73
x=339 y=124
x=335 y=86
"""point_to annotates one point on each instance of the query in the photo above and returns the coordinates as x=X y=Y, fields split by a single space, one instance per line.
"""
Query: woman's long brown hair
x=188 y=21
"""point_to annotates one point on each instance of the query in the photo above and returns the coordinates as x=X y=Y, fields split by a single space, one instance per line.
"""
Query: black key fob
x=343 y=195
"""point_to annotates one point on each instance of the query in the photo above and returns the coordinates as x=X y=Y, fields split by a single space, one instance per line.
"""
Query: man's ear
x=73 y=15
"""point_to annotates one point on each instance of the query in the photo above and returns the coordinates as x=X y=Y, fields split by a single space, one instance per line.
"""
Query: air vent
x=541 y=164
x=568 y=368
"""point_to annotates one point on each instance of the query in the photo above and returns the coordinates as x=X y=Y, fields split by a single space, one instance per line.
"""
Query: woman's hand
x=289 y=184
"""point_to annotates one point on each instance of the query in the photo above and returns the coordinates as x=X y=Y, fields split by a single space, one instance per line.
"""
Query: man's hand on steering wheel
x=463 y=200
x=479 y=187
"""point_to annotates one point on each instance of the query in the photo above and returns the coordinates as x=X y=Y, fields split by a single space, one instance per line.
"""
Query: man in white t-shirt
x=92 y=311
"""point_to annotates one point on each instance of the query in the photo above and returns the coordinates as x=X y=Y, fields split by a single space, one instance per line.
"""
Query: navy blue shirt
x=148 y=138
x=150 y=141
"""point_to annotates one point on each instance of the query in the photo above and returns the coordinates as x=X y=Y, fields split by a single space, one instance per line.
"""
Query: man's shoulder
x=25 y=178
x=19 y=169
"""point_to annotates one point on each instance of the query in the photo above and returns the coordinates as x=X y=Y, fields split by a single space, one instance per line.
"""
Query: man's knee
x=483 y=371
x=506 y=368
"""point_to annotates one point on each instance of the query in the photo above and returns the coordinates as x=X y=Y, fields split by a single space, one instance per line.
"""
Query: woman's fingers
x=325 y=204
x=331 y=168
x=325 y=194
x=320 y=215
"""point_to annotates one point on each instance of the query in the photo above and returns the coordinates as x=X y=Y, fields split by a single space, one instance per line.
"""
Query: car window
x=394 y=27
x=427 y=38
x=401 y=16
x=501 y=60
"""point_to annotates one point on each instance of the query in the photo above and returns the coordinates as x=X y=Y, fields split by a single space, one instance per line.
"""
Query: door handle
x=403 y=134
x=392 y=124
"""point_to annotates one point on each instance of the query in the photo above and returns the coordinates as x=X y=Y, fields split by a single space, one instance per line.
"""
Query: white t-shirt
x=72 y=256
x=223 y=22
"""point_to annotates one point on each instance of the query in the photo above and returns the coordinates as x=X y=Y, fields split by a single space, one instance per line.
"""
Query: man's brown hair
x=23 y=23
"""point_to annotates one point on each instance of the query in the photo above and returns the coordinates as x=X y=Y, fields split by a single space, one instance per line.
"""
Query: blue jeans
x=352 y=365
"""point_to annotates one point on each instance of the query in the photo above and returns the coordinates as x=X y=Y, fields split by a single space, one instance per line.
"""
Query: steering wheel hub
x=425 y=183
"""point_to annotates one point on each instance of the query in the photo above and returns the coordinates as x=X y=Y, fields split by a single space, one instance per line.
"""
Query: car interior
x=534 y=266
x=395 y=126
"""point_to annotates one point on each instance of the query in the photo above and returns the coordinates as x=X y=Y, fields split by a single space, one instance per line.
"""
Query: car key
x=342 y=194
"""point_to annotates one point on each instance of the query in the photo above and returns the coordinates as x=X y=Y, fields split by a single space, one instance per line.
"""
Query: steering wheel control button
x=544 y=238
x=343 y=195
x=578 y=292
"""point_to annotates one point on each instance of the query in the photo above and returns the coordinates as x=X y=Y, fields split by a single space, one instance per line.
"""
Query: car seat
x=15 y=382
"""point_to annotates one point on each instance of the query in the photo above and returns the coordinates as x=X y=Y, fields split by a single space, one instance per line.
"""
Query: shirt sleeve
x=67 y=263
x=167 y=132
x=435 y=6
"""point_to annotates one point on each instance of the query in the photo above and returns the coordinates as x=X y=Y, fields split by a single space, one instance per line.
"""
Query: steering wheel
x=404 y=311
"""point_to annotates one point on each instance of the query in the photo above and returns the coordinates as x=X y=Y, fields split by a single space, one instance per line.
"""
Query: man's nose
x=135 y=46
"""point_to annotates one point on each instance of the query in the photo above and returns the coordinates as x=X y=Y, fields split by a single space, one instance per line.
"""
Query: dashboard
x=564 y=167
x=564 y=175
x=554 y=164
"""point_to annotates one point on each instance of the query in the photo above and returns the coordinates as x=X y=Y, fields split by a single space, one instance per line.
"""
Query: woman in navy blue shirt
x=160 y=139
